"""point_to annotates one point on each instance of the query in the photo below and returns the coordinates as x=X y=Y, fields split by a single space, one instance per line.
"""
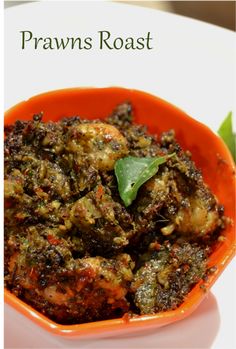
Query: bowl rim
x=193 y=298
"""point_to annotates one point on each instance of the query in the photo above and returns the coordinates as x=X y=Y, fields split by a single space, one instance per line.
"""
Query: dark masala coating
x=72 y=249
x=167 y=275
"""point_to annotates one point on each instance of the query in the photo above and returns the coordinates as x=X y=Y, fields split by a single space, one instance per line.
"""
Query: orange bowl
x=208 y=151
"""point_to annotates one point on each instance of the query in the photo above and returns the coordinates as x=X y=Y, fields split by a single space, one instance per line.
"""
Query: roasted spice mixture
x=72 y=249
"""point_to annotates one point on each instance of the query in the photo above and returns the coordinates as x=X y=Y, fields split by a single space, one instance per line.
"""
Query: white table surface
x=192 y=66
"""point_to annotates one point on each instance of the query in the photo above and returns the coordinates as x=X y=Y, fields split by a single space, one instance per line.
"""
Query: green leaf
x=226 y=133
x=132 y=172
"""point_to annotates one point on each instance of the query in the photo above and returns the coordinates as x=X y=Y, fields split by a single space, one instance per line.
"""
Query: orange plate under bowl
x=208 y=151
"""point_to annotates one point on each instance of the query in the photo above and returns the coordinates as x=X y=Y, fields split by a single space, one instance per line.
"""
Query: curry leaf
x=226 y=133
x=132 y=172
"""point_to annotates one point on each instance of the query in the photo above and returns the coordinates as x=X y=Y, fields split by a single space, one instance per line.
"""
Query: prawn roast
x=73 y=249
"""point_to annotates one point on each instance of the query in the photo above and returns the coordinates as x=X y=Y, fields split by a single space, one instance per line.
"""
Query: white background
x=192 y=66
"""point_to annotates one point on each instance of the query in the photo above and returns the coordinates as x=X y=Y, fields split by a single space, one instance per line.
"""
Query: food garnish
x=132 y=172
x=226 y=133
